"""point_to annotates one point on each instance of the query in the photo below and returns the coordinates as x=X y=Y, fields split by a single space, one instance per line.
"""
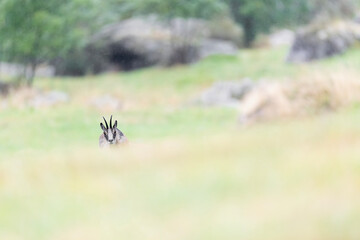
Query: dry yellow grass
x=188 y=173
x=295 y=180
x=313 y=93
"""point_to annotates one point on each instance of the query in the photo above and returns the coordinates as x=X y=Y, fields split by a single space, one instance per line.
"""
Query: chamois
x=111 y=135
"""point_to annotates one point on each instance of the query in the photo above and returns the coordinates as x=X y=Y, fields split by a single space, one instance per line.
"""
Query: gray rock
x=142 y=42
x=134 y=43
x=215 y=47
x=225 y=94
x=284 y=37
x=48 y=99
x=106 y=103
x=189 y=27
x=317 y=42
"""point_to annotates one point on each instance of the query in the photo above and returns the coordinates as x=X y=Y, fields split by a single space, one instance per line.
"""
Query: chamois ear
x=103 y=127
x=115 y=124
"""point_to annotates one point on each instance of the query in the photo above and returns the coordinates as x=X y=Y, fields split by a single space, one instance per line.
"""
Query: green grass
x=255 y=64
x=188 y=172
x=71 y=127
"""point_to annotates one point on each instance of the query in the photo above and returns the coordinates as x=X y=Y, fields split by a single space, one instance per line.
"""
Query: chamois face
x=109 y=133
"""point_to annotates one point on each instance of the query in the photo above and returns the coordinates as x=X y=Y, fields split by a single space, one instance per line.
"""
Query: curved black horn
x=107 y=126
x=110 y=122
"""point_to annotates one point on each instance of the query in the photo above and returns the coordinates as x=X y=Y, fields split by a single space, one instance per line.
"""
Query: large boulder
x=133 y=43
x=322 y=41
x=147 y=41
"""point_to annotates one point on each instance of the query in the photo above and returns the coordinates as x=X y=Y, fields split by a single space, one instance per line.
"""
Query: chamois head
x=109 y=132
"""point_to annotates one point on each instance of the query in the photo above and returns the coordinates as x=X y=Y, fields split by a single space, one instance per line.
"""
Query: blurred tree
x=36 y=31
x=168 y=9
x=260 y=15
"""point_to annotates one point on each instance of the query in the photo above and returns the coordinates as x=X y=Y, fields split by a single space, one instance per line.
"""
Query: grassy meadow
x=188 y=172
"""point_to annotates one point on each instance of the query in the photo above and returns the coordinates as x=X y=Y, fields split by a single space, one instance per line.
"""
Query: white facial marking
x=110 y=136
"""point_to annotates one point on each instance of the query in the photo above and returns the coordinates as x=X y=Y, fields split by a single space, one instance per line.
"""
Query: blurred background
x=243 y=118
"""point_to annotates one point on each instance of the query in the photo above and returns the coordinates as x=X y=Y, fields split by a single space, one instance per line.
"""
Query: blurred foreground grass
x=188 y=173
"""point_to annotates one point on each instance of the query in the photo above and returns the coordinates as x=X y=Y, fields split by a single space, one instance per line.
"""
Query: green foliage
x=169 y=8
x=35 y=31
x=260 y=15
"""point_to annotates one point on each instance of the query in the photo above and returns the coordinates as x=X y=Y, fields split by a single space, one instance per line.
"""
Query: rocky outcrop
x=322 y=41
x=142 y=42
x=133 y=43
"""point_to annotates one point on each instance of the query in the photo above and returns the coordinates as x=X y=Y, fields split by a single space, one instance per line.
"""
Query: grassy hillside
x=189 y=172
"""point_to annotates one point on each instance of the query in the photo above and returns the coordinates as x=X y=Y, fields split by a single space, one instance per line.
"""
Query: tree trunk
x=249 y=31
x=247 y=22
x=30 y=77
